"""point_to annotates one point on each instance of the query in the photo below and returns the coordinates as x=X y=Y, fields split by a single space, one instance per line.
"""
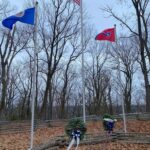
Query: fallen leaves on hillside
x=21 y=141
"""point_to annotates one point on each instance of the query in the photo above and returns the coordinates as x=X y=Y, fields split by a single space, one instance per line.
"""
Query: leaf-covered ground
x=114 y=146
x=21 y=141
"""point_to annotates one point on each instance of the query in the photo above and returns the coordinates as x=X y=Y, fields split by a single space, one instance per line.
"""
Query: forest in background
x=112 y=71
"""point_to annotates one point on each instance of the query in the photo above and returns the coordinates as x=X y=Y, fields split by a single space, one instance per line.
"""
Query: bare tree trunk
x=45 y=99
x=110 y=101
x=50 y=104
x=147 y=87
x=128 y=91
x=145 y=73
x=4 y=89
x=23 y=108
x=62 y=105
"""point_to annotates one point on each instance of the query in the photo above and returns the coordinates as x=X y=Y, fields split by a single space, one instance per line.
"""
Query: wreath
x=76 y=124
x=108 y=116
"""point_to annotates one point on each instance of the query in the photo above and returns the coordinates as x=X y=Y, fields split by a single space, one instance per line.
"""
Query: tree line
x=112 y=71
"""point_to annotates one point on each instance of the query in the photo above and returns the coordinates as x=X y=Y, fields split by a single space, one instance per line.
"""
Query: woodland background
x=113 y=71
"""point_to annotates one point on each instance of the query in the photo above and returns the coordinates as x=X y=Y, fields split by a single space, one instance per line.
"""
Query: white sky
x=96 y=17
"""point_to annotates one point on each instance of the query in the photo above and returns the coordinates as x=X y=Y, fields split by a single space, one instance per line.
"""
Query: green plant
x=76 y=123
x=108 y=116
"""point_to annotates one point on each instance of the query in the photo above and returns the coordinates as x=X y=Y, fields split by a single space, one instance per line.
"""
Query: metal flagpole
x=34 y=76
x=83 y=75
x=122 y=101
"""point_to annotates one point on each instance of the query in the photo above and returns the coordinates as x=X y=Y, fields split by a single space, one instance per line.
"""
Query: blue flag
x=27 y=16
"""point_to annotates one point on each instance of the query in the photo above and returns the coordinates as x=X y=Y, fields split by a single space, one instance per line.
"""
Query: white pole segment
x=34 y=76
x=122 y=101
x=83 y=74
x=121 y=95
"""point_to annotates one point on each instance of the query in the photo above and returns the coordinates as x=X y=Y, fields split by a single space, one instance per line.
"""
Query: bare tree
x=127 y=56
x=98 y=80
x=4 y=9
x=11 y=43
x=68 y=74
x=55 y=32
x=142 y=17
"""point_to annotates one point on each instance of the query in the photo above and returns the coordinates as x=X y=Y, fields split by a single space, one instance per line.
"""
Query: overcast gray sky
x=92 y=7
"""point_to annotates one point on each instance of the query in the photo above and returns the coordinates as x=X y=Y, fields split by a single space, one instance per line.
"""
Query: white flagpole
x=122 y=101
x=83 y=74
x=34 y=77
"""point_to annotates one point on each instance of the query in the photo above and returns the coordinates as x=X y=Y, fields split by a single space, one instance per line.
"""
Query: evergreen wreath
x=73 y=124
x=108 y=116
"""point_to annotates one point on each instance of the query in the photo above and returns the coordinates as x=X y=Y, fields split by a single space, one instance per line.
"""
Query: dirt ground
x=21 y=141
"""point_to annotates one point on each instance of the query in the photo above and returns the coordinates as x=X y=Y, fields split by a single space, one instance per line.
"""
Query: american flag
x=77 y=1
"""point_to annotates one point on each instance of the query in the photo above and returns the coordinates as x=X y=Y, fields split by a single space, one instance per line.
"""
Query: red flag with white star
x=107 y=34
